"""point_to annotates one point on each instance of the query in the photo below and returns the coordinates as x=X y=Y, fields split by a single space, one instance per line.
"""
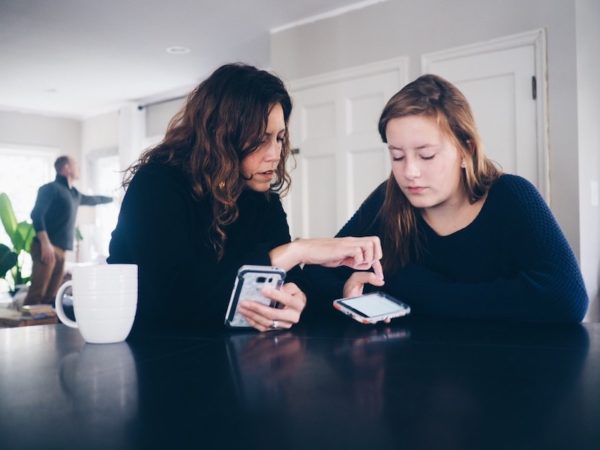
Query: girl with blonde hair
x=459 y=238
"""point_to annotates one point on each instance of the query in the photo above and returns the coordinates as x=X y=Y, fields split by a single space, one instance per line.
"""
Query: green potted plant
x=21 y=235
x=8 y=260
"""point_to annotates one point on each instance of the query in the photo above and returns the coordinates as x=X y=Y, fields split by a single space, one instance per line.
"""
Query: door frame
x=399 y=63
x=537 y=40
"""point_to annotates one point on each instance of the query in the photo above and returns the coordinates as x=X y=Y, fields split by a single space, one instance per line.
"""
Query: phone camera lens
x=261 y=279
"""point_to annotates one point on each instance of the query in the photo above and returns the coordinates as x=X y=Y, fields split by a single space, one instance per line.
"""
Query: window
x=106 y=179
x=22 y=171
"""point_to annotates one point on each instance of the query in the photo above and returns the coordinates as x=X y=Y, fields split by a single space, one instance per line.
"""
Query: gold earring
x=222 y=185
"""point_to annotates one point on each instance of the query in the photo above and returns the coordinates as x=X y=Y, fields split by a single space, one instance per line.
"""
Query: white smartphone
x=248 y=285
x=372 y=308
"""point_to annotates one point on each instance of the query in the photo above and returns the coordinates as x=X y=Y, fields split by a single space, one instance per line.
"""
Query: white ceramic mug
x=104 y=301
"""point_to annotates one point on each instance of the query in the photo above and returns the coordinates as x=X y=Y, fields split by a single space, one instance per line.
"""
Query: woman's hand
x=357 y=252
x=360 y=253
x=264 y=318
x=355 y=285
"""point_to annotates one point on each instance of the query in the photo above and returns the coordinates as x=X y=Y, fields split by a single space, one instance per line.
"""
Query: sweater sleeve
x=181 y=281
x=43 y=201
x=278 y=233
x=326 y=284
x=547 y=285
x=275 y=232
x=93 y=200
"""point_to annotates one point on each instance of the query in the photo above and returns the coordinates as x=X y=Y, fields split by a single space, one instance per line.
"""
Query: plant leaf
x=23 y=236
x=7 y=215
x=8 y=260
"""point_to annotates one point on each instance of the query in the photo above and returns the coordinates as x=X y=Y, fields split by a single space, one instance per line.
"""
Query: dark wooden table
x=415 y=384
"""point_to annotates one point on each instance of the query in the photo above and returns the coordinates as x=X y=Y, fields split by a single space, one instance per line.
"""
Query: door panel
x=370 y=161
x=319 y=198
x=363 y=112
x=341 y=158
x=496 y=79
x=318 y=120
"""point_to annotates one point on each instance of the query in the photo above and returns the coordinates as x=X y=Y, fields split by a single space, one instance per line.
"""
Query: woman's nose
x=273 y=150
x=412 y=169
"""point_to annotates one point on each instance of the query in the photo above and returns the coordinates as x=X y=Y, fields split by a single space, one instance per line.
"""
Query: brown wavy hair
x=436 y=98
x=223 y=121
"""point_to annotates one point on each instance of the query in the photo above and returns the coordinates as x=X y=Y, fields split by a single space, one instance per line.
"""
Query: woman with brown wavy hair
x=205 y=201
x=459 y=237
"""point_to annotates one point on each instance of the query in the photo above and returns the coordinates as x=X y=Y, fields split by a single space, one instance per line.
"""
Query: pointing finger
x=377 y=269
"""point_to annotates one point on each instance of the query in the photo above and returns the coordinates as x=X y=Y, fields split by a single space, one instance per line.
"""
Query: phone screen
x=372 y=305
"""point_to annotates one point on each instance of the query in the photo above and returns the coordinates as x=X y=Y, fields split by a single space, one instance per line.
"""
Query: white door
x=339 y=156
x=503 y=81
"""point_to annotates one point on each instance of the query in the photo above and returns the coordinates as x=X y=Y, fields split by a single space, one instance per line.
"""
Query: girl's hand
x=265 y=318
x=355 y=285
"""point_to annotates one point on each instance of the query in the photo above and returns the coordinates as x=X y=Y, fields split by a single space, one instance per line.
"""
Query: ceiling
x=77 y=58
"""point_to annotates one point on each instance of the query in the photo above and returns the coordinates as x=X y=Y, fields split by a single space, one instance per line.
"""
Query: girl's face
x=425 y=162
x=258 y=168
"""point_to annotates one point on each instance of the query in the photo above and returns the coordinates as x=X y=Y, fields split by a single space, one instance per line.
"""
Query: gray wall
x=411 y=28
x=588 y=113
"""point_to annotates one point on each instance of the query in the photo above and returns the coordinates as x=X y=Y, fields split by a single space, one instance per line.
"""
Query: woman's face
x=425 y=162
x=258 y=168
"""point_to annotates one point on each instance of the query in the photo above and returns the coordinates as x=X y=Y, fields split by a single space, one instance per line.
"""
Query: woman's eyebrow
x=267 y=133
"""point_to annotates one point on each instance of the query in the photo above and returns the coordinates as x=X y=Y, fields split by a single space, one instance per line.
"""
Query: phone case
x=402 y=310
x=248 y=284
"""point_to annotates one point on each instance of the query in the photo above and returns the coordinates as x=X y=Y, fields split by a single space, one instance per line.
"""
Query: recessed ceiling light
x=177 y=50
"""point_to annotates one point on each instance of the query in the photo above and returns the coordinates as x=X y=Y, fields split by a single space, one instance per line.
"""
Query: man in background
x=53 y=218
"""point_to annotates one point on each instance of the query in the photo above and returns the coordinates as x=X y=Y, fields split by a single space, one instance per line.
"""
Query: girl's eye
x=397 y=158
x=427 y=157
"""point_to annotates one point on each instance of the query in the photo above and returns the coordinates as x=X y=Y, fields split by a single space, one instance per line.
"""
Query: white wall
x=158 y=116
x=99 y=135
x=100 y=132
x=44 y=131
x=410 y=28
x=588 y=114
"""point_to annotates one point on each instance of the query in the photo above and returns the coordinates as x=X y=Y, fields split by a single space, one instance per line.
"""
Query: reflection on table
x=415 y=384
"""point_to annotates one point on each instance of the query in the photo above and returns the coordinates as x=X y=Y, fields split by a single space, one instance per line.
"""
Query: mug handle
x=59 y=306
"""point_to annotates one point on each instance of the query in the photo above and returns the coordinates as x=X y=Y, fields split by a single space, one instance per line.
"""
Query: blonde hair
x=436 y=98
